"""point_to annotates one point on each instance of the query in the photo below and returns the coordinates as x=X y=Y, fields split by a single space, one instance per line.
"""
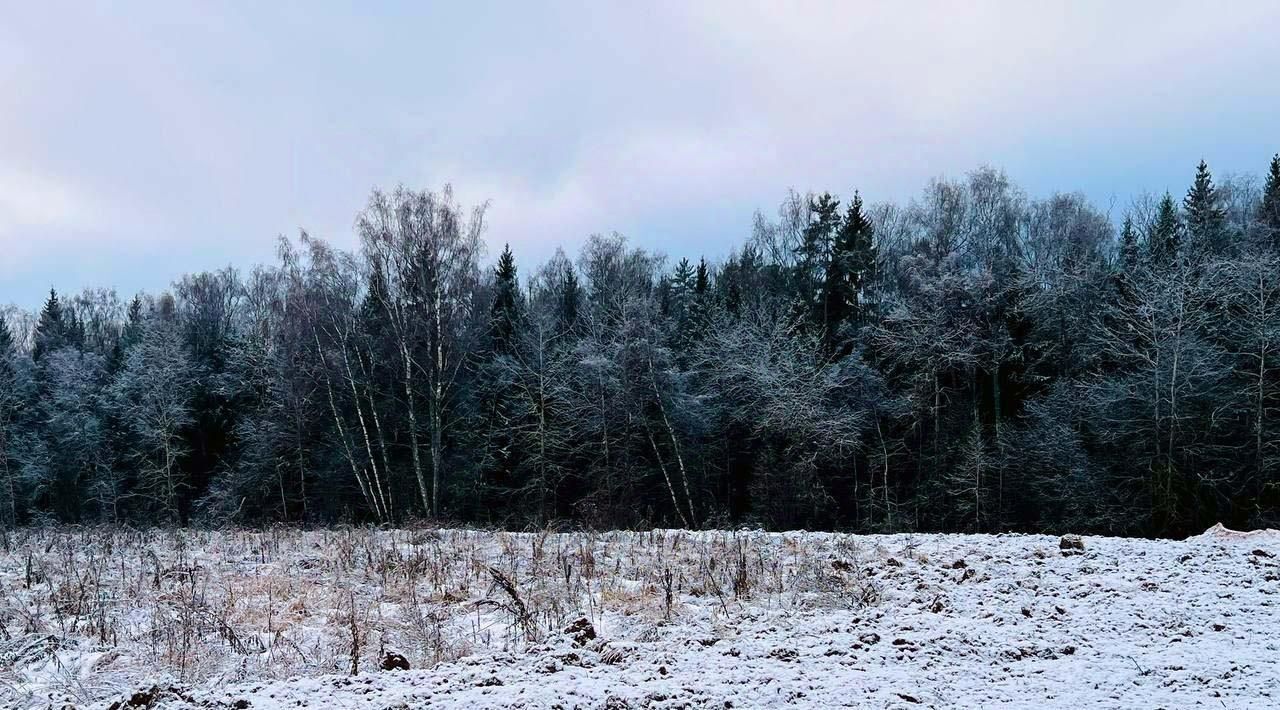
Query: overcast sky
x=142 y=140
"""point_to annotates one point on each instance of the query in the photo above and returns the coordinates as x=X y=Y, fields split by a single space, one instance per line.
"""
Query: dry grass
x=86 y=612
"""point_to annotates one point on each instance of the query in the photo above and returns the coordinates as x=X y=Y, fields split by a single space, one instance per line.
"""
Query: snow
x=219 y=619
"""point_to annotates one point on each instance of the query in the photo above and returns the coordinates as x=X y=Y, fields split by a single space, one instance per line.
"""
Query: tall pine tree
x=1128 y=246
x=1206 y=220
x=570 y=294
x=1269 y=209
x=1165 y=239
x=51 y=329
x=8 y=413
x=814 y=255
x=857 y=249
x=504 y=314
x=499 y=404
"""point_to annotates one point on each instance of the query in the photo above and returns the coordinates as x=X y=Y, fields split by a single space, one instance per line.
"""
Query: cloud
x=198 y=133
x=28 y=200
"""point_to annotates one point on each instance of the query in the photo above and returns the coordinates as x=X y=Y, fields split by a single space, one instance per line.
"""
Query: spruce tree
x=51 y=329
x=8 y=379
x=735 y=277
x=130 y=335
x=1128 y=246
x=8 y=413
x=1269 y=209
x=568 y=306
x=858 y=237
x=375 y=328
x=701 y=281
x=664 y=296
x=852 y=264
x=814 y=259
x=498 y=399
x=682 y=284
x=700 y=302
x=815 y=247
x=1206 y=220
x=74 y=329
x=1165 y=239
x=8 y=350
x=504 y=315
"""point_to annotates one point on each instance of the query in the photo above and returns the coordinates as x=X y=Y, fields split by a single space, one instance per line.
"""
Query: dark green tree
x=1165 y=239
x=1206 y=220
x=682 y=284
x=699 y=308
x=737 y=276
x=51 y=329
x=1269 y=209
x=570 y=294
x=814 y=257
x=130 y=335
x=702 y=280
x=853 y=265
x=8 y=414
x=497 y=395
x=504 y=314
x=7 y=350
x=1128 y=246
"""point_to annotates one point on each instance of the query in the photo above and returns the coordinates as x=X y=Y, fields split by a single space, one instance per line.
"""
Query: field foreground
x=663 y=619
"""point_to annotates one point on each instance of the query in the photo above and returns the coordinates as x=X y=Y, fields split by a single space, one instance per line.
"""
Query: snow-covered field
x=667 y=619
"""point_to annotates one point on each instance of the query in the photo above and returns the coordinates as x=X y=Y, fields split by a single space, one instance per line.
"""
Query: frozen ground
x=97 y=618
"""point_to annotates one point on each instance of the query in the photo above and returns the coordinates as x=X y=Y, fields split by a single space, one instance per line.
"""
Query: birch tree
x=426 y=247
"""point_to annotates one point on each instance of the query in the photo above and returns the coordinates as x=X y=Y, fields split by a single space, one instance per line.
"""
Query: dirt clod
x=394 y=662
x=581 y=631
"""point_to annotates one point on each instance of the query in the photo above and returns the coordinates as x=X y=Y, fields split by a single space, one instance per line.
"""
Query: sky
x=143 y=140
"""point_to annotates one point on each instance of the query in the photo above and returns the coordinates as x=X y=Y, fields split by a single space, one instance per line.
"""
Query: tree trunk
x=675 y=444
x=364 y=429
x=665 y=476
x=413 y=428
x=378 y=512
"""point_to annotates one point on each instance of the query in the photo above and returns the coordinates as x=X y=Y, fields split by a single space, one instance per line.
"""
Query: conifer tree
x=682 y=285
x=8 y=412
x=734 y=278
x=1165 y=239
x=1269 y=209
x=1128 y=246
x=1206 y=220
x=504 y=315
x=570 y=293
x=858 y=249
x=497 y=395
x=130 y=335
x=51 y=329
x=7 y=350
x=850 y=266
x=701 y=281
x=814 y=255
x=700 y=300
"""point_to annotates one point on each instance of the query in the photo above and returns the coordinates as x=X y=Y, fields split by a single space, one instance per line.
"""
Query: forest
x=975 y=359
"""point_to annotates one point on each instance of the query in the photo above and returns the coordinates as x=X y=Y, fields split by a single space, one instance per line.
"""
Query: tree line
x=971 y=360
